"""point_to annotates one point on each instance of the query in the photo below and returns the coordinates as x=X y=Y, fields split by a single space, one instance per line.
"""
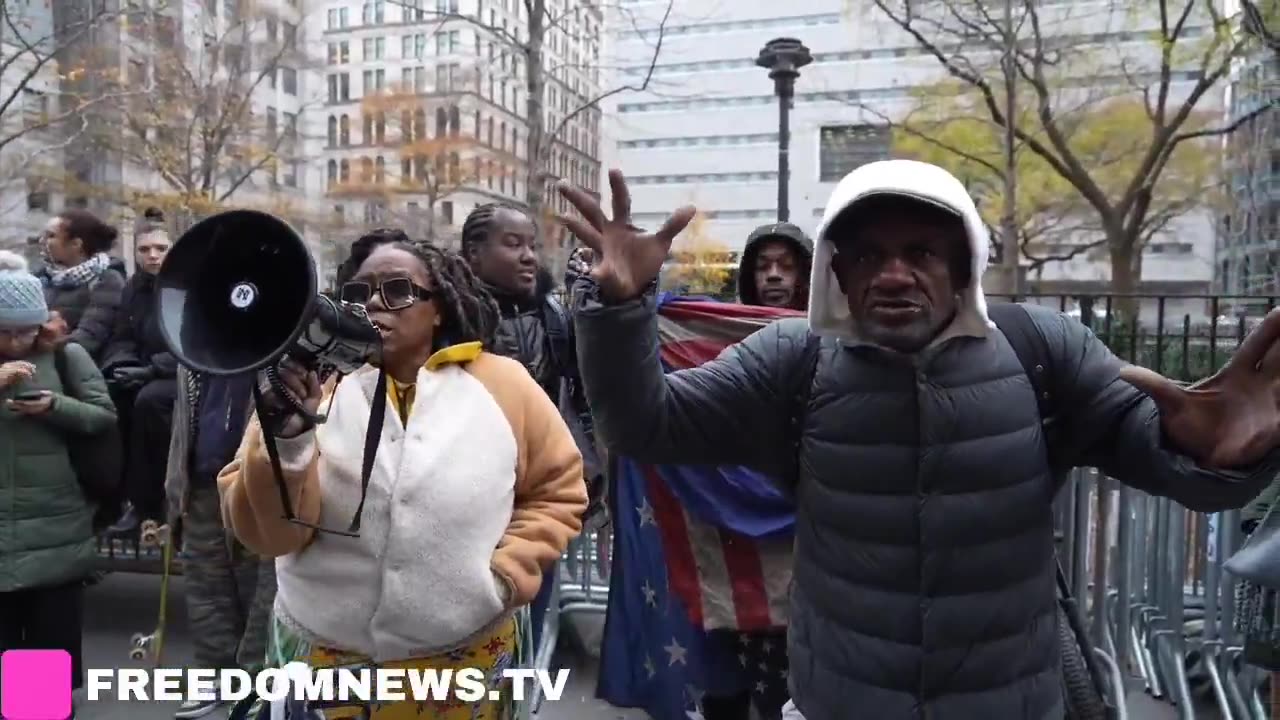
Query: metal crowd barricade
x=582 y=588
x=116 y=554
x=1148 y=571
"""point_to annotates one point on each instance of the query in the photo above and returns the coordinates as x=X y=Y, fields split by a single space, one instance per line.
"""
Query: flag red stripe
x=742 y=560
x=682 y=570
x=690 y=353
x=687 y=309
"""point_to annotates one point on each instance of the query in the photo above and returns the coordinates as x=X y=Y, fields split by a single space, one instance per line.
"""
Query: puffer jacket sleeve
x=96 y=325
x=1108 y=423
x=84 y=407
x=122 y=349
x=734 y=410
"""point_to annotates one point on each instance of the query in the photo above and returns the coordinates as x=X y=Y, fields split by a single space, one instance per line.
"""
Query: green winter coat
x=46 y=524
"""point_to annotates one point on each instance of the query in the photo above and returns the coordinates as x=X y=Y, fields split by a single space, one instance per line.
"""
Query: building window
x=339 y=88
x=289 y=80
x=843 y=148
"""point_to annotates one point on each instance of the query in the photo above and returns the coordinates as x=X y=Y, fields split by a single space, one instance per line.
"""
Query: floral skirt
x=506 y=648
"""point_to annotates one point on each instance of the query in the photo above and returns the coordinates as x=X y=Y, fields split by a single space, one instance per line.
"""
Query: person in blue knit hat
x=47 y=547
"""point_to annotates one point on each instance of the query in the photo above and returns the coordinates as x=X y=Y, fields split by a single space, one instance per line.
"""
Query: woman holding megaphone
x=476 y=488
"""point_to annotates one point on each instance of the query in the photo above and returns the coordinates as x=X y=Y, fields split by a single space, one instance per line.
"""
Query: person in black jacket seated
x=141 y=374
x=501 y=243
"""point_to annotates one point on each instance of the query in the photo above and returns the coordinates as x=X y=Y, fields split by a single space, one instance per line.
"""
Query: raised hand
x=627 y=258
x=1232 y=419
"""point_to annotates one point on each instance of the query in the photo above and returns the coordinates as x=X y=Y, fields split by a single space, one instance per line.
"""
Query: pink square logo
x=35 y=685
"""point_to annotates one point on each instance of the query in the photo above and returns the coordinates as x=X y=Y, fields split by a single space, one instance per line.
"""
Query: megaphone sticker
x=243 y=295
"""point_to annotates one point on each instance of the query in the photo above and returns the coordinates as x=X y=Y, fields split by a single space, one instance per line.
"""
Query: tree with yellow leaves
x=699 y=265
x=417 y=153
x=949 y=127
x=1068 y=70
x=197 y=140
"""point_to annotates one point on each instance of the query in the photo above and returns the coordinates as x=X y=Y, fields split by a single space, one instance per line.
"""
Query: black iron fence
x=1184 y=337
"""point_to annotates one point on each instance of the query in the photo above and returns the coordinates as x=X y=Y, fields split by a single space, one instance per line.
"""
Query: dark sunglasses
x=397 y=293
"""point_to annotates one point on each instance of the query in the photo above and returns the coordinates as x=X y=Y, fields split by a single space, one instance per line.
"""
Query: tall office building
x=424 y=115
x=706 y=130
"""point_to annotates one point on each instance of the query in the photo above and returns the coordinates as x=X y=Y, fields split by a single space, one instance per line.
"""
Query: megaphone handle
x=295 y=406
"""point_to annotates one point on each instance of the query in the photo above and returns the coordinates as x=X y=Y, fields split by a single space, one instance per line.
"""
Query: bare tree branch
x=1044 y=65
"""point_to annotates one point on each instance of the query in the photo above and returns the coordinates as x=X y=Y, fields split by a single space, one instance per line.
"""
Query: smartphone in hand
x=29 y=396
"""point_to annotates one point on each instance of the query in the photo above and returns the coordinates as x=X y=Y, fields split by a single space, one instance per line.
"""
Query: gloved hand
x=132 y=378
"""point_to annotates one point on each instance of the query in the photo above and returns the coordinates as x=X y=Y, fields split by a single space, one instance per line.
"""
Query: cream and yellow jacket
x=468 y=502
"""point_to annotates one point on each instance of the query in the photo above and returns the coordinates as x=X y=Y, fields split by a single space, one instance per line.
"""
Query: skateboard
x=152 y=645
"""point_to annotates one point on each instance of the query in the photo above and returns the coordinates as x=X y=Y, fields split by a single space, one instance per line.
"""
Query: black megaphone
x=237 y=293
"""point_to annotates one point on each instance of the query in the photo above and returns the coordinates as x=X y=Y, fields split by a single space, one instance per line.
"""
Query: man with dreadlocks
x=500 y=242
x=476 y=490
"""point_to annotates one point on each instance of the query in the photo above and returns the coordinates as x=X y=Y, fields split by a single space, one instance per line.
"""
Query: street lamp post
x=783 y=57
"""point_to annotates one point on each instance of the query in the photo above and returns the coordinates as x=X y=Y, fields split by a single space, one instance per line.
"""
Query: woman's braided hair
x=470 y=313
x=479 y=222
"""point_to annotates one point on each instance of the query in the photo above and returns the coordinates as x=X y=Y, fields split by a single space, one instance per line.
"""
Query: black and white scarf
x=81 y=274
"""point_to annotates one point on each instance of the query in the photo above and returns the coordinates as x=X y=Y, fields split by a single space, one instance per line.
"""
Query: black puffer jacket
x=89 y=310
x=924 y=579
x=137 y=340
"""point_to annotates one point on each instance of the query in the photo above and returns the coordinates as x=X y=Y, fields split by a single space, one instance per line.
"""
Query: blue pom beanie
x=22 y=302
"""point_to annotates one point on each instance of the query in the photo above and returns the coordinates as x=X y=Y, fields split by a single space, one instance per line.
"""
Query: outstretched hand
x=1232 y=419
x=627 y=258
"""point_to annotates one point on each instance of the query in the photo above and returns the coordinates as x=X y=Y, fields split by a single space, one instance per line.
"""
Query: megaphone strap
x=372 y=436
x=271 y=421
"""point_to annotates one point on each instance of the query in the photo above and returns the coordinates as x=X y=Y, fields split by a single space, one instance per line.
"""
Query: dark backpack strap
x=801 y=392
x=1032 y=351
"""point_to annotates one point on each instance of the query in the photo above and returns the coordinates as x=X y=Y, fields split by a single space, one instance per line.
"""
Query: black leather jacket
x=522 y=335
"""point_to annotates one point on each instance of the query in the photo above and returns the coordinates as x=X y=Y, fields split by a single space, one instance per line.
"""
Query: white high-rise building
x=706 y=131
x=425 y=106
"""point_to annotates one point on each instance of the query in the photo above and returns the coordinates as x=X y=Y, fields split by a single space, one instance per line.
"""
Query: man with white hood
x=924 y=574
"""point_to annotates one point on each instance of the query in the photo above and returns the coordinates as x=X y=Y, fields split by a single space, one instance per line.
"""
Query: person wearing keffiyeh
x=79 y=280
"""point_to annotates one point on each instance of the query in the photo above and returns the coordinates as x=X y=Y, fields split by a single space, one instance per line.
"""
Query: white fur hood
x=828 y=308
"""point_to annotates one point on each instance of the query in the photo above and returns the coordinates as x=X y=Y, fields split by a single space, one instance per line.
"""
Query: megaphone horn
x=237 y=293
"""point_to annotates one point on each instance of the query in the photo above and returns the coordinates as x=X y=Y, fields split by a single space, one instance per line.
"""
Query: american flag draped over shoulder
x=696 y=548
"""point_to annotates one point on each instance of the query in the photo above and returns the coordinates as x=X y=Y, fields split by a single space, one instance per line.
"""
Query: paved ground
x=124 y=604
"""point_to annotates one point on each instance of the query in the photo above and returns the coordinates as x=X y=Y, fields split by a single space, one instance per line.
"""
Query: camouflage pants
x=230 y=591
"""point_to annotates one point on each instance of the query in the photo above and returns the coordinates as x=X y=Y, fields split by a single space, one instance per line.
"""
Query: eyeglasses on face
x=397 y=293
